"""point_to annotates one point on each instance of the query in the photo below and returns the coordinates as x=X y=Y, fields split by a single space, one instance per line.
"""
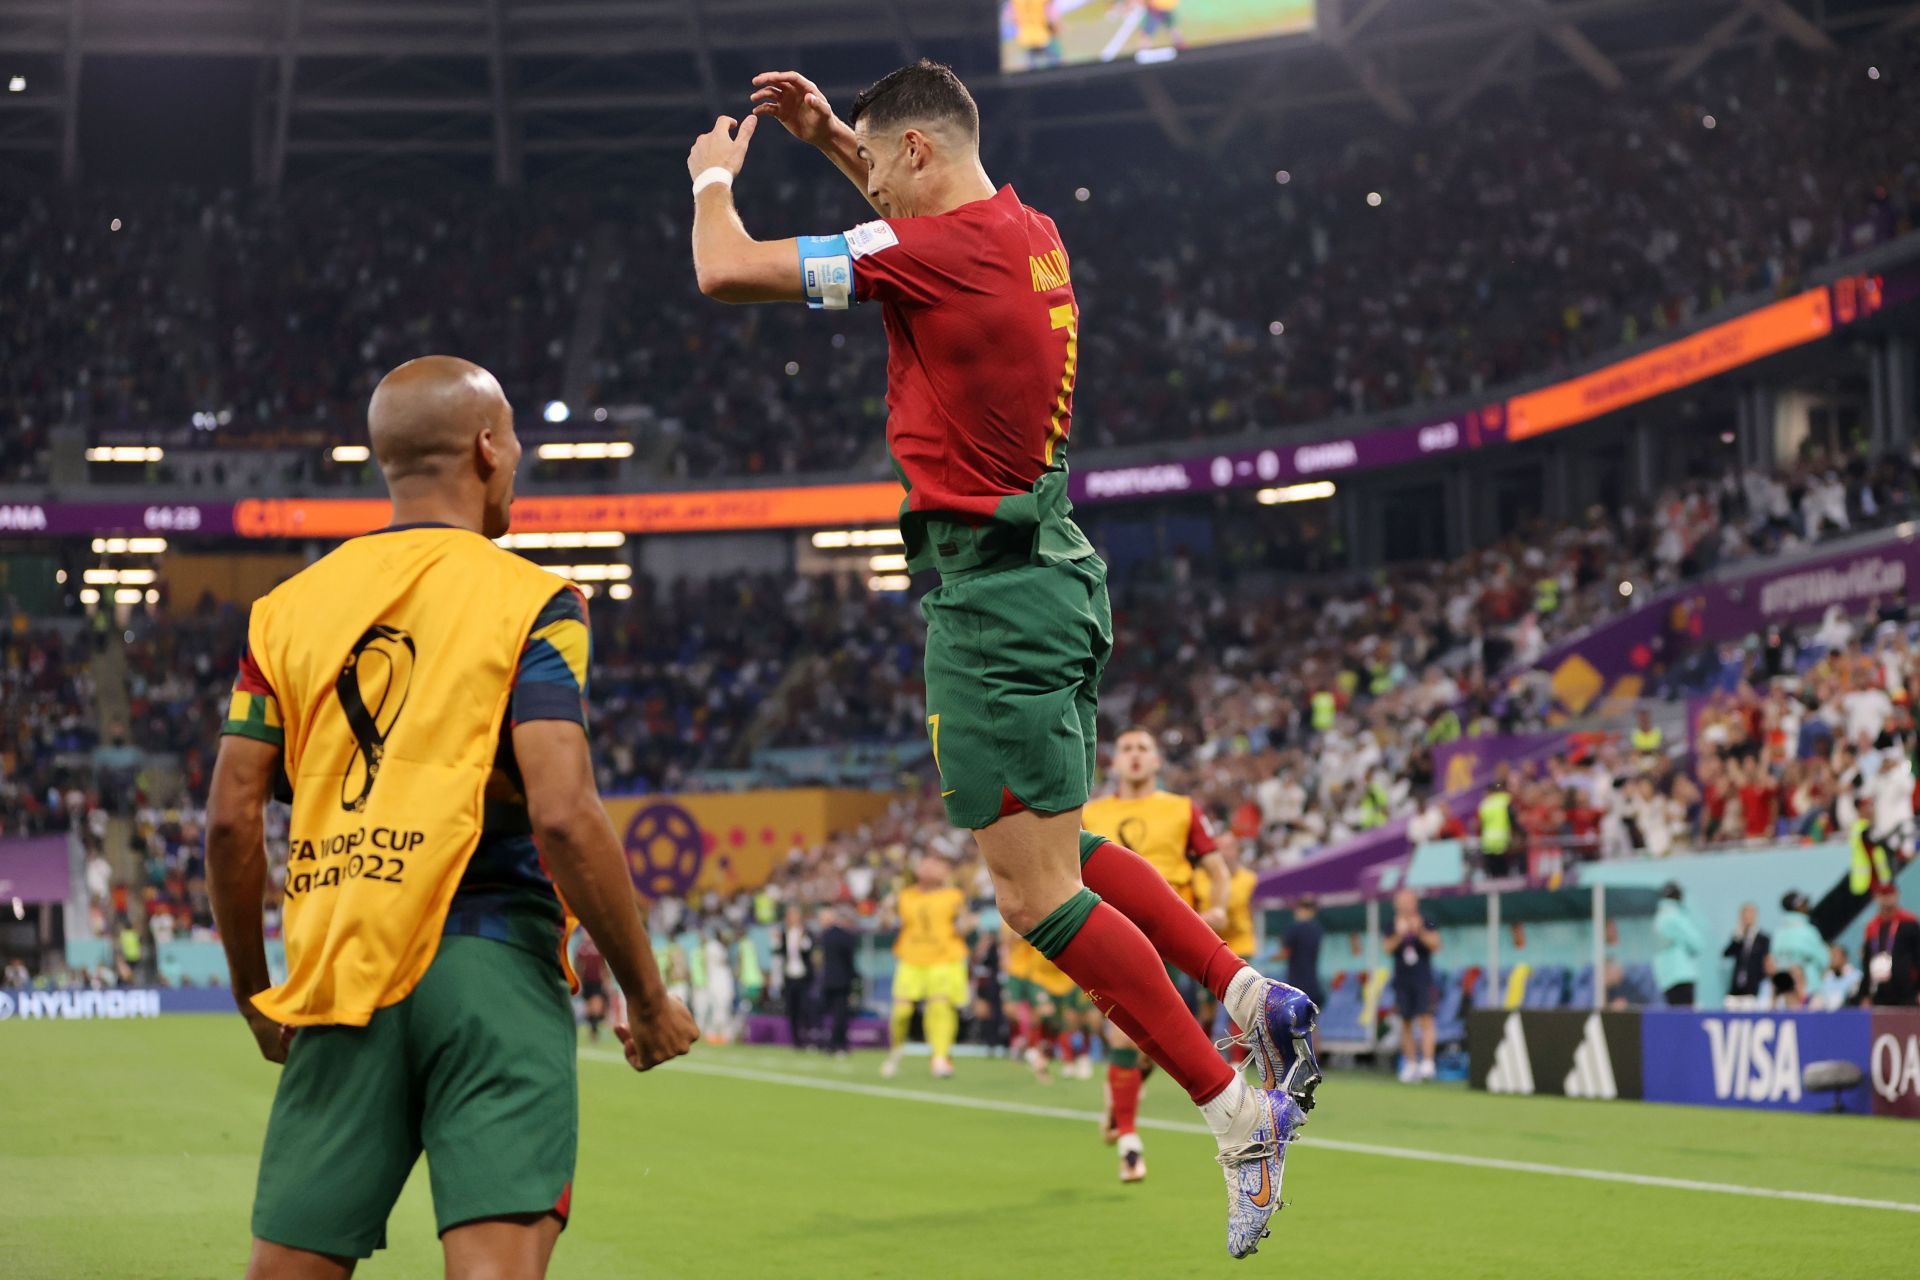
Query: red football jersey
x=983 y=337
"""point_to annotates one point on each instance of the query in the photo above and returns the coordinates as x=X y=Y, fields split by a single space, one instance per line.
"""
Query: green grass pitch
x=129 y=1152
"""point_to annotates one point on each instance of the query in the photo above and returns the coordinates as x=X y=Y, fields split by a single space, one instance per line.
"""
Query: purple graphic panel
x=34 y=869
x=1732 y=608
x=1458 y=765
x=161 y=518
x=1289 y=464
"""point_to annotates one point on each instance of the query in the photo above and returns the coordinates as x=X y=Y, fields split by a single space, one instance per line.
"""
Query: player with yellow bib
x=1237 y=931
x=418 y=695
x=1057 y=1009
x=931 y=951
x=1171 y=833
x=1168 y=830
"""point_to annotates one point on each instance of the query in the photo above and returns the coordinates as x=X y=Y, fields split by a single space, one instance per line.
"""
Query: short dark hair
x=925 y=92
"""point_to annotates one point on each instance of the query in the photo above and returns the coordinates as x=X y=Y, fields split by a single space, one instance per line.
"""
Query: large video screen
x=1036 y=35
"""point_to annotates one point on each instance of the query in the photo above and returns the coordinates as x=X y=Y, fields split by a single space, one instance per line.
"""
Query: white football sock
x=1243 y=996
x=1224 y=1106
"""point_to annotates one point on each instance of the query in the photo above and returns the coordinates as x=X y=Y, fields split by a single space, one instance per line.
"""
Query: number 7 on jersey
x=1065 y=316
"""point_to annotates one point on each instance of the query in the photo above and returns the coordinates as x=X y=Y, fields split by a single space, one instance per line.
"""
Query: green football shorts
x=1015 y=651
x=476 y=1068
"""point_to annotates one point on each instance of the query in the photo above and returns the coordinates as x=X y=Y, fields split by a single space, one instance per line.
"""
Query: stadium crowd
x=1503 y=243
x=1301 y=715
x=48 y=731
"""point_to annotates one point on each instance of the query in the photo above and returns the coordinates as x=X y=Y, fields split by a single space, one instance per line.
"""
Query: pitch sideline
x=1329 y=1144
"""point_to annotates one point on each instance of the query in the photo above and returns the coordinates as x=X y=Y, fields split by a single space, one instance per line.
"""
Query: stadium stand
x=232 y=304
x=698 y=675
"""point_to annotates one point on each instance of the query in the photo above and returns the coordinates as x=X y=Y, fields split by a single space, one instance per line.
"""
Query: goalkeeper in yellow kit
x=931 y=949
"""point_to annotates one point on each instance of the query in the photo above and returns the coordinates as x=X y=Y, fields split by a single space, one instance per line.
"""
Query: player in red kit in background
x=591 y=968
x=983 y=330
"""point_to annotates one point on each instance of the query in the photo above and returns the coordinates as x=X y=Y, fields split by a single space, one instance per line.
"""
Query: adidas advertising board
x=1566 y=1053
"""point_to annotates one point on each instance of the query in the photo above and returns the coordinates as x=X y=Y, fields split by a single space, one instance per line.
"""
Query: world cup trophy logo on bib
x=372 y=688
x=665 y=849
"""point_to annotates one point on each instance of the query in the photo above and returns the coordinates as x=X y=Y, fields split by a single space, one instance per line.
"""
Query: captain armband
x=826 y=270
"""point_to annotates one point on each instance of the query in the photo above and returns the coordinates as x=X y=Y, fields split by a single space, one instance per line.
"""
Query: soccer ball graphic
x=665 y=848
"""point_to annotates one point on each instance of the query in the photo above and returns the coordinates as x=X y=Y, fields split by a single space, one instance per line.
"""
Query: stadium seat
x=1449 y=1014
x=1546 y=988
x=1380 y=988
x=1580 y=990
x=1344 y=1023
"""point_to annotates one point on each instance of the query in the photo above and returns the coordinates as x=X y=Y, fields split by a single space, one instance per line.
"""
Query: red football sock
x=1115 y=965
x=1138 y=1034
x=1123 y=1083
x=1128 y=883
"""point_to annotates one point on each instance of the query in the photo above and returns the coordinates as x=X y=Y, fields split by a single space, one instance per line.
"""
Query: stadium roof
x=534 y=87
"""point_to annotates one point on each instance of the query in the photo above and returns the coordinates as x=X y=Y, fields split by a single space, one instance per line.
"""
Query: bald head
x=426 y=413
x=442 y=432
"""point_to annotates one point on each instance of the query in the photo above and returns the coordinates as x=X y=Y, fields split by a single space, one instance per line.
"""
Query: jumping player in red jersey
x=983 y=333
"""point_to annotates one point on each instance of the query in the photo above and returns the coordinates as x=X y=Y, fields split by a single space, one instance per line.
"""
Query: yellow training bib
x=928 y=929
x=1158 y=827
x=391 y=661
x=1239 y=935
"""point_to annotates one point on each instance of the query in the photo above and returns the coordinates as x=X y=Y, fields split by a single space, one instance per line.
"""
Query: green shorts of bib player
x=1015 y=651
x=475 y=1068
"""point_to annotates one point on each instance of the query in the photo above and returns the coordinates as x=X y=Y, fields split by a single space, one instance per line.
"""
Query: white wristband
x=714 y=177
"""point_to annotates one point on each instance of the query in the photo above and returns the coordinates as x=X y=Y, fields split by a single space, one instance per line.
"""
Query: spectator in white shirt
x=1835 y=631
x=1867 y=711
x=1892 y=790
x=99 y=877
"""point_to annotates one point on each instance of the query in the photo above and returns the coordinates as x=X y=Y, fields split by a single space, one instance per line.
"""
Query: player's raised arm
x=797 y=103
x=583 y=855
x=730 y=265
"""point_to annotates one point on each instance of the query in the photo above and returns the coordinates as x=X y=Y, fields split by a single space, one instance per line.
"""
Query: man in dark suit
x=1748 y=951
x=793 y=960
x=838 y=947
x=1890 y=953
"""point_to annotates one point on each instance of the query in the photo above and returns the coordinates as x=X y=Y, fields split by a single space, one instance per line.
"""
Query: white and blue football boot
x=1280 y=1042
x=1254 y=1156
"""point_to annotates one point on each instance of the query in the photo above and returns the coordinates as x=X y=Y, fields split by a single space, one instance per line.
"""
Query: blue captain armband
x=826 y=270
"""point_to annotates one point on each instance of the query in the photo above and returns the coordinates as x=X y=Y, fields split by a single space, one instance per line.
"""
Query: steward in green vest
x=1445 y=728
x=1870 y=865
x=1546 y=596
x=1645 y=738
x=1496 y=822
x=1373 y=806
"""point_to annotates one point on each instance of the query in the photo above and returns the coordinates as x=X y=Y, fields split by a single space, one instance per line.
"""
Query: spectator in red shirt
x=1759 y=800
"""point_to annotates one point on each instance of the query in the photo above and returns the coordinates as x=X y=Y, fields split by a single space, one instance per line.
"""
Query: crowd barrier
x=1755 y=1060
